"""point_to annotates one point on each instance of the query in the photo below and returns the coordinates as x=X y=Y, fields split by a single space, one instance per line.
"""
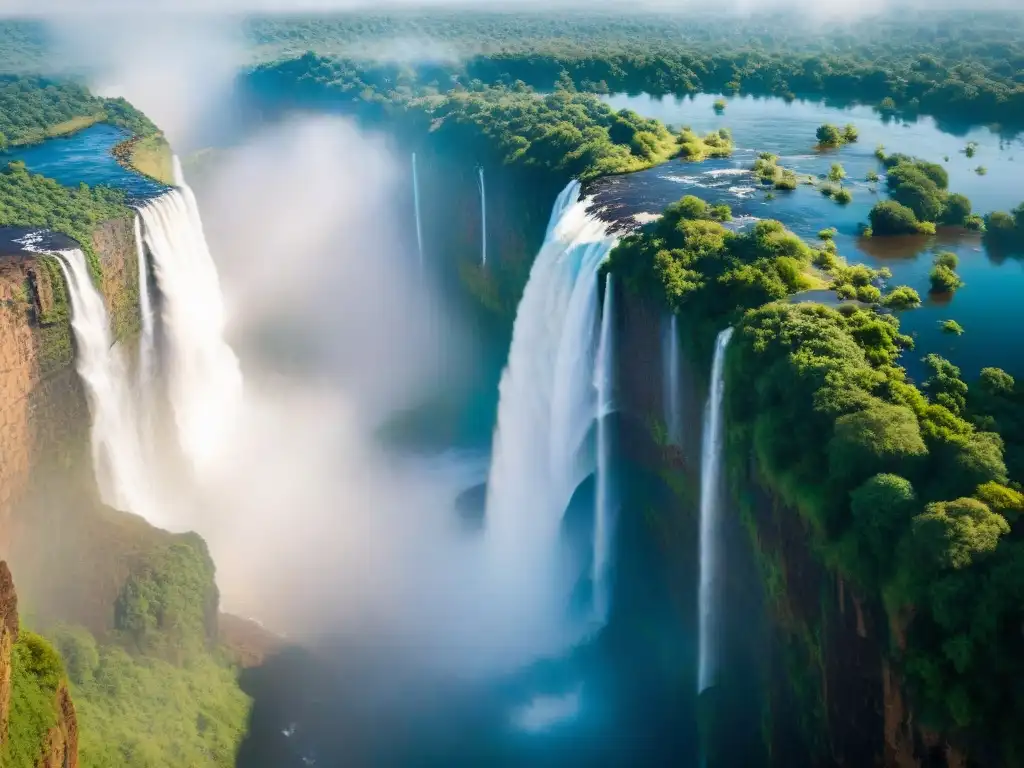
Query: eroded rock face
x=8 y=637
x=42 y=406
x=60 y=750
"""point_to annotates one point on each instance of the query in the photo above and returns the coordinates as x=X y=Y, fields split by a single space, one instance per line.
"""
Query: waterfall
x=547 y=406
x=483 y=218
x=146 y=337
x=710 y=509
x=416 y=203
x=604 y=382
x=204 y=378
x=671 y=396
x=116 y=450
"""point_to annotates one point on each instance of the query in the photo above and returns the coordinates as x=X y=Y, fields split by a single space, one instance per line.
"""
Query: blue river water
x=84 y=157
x=988 y=306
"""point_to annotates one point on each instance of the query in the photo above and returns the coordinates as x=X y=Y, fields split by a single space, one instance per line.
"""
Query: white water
x=483 y=219
x=204 y=378
x=416 y=203
x=604 y=383
x=710 y=509
x=671 y=396
x=146 y=338
x=546 y=414
x=116 y=450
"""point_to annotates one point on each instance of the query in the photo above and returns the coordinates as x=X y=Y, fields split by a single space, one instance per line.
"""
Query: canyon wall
x=805 y=670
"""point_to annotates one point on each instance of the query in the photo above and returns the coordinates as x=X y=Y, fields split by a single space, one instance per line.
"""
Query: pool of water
x=84 y=157
x=988 y=306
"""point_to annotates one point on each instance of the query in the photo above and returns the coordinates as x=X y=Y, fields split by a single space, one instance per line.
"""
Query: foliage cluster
x=568 y=133
x=910 y=493
x=829 y=135
x=920 y=198
x=907 y=500
x=943 y=276
x=34 y=108
x=769 y=172
x=36 y=675
x=1006 y=230
x=31 y=200
x=143 y=711
x=696 y=148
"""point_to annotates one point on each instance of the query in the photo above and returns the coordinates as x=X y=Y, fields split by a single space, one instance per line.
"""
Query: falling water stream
x=604 y=378
x=205 y=379
x=416 y=204
x=483 y=218
x=710 y=510
x=116 y=449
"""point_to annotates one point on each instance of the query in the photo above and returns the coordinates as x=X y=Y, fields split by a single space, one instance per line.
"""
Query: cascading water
x=146 y=338
x=710 y=509
x=604 y=380
x=416 y=204
x=116 y=450
x=204 y=377
x=546 y=410
x=483 y=218
x=671 y=396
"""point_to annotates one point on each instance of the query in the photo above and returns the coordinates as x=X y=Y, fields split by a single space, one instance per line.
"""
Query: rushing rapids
x=543 y=446
x=416 y=205
x=204 y=377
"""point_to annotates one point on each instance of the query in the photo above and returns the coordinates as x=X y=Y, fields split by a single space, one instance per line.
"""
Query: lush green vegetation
x=157 y=693
x=143 y=711
x=36 y=676
x=829 y=135
x=952 y=327
x=919 y=199
x=768 y=171
x=943 y=277
x=1006 y=230
x=696 y=148
x=30 y=200
x=910 y=493
x=36 y=108
x=565 y=132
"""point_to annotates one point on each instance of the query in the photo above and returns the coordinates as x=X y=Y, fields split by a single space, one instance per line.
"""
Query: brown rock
x=8 y=636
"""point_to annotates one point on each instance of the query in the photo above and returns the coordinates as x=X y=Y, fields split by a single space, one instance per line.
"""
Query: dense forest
x=964 y=67
x=36 y=108
x=910 y=493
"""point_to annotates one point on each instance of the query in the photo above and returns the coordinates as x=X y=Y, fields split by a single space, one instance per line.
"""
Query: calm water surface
x=990 y=306
x=84 y=157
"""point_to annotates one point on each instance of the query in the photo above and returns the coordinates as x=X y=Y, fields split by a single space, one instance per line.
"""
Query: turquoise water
x=84 y=157
x=990 y=306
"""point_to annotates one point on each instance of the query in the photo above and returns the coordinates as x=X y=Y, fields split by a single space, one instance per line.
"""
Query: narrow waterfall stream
x=116 y=448
x=710 y=510
x=604 y=382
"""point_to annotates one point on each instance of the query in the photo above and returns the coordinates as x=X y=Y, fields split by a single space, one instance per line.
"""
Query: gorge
x=524 y=426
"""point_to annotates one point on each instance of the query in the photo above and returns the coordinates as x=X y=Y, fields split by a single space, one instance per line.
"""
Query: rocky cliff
x=43 y=413
x=807 y=673
x=38 y=724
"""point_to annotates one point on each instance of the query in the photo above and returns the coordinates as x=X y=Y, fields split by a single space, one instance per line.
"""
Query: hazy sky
x=77 y=7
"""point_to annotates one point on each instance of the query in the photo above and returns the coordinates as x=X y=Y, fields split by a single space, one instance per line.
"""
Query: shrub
x=902 y=297
x=944 y=279
x=843 y=196
x=719 y=105
x=850 y=133
x=952 y=327
x=829 y=136
x=828 y=234
x=891 y=218
x=869 y=294
x=946 y=259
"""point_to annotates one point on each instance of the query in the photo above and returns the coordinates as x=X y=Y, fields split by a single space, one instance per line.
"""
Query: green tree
x=882 y=508
x=953 y=534
x=829 y=136
x=891 y=218
x=944 y=279
x=837 y=173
